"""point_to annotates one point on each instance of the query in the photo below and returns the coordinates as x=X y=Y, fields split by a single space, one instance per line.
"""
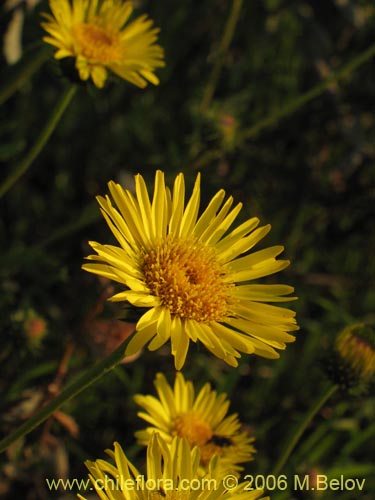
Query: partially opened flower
x=96 y=34
x=191 y=274
x=172 y=474
x=202 y=420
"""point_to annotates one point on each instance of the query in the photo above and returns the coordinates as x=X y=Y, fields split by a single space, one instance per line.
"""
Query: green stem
x=88 y=216
x=224 y=44
x=23 y=74
x=308 y=96
x=92 y=374
x=302 y=426
x=41 y=141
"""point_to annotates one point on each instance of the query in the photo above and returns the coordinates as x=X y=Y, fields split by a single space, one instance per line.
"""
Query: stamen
x=197 y=431
x=192 y=428
x=188 y=279
x=96 y=44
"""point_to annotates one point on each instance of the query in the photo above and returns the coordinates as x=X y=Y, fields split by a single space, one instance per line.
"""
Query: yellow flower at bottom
x=172 y=474
x=200 y=419
x=94 y=33
x=191 y=275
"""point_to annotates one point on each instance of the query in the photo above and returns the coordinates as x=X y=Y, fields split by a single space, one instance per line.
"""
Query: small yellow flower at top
x=96 y=34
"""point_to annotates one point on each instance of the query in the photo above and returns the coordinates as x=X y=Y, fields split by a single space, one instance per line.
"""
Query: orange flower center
x=199 y=433
x=96 y=44
x=188 y=279
x=191 y=427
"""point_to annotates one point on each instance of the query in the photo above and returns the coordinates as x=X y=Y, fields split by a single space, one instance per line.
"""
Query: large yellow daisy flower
x=191 y=275
x=172 y=474
x=94 y=32
x=200 y=419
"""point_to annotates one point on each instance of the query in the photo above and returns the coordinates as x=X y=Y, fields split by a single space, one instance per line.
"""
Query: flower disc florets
x=187 y=278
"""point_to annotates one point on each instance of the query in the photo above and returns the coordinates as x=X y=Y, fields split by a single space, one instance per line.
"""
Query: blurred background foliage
x=309 y=174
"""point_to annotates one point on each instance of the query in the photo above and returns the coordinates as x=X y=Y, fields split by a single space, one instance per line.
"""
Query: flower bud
x=351 y=362
x=35 y=328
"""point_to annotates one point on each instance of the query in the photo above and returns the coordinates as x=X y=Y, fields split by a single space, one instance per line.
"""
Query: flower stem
x=302 y=426
x=86 y=379
x=288 y=109
x=29 y=67
x=292 y=106
x=224 y=44
x=41 y=141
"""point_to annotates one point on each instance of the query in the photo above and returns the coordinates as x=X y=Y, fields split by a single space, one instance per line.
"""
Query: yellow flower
x=172 y=474
x=190 y=274
x=200 y=419
x=94 y=33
